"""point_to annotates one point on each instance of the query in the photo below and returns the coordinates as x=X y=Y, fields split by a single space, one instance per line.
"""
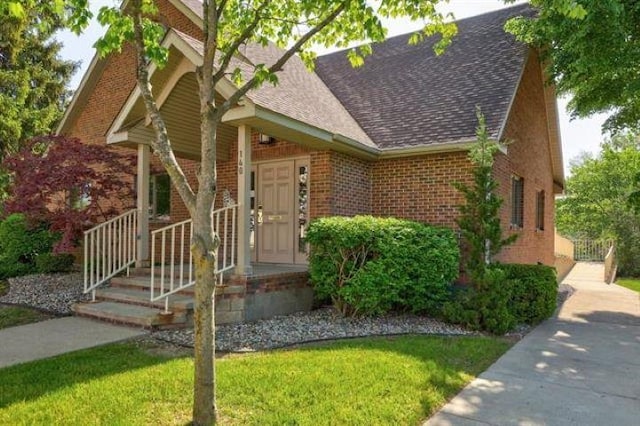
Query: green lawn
x=11 y=316
x=630 y=283
x=399 y=380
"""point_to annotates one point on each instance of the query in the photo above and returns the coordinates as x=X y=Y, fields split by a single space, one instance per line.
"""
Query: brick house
x=385 y=139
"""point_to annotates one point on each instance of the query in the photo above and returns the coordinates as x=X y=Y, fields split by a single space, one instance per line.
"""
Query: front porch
x=273 y=176
x=270 y=290
x=261 y=213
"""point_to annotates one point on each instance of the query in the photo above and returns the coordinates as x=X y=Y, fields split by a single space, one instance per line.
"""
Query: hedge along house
x=386 y=139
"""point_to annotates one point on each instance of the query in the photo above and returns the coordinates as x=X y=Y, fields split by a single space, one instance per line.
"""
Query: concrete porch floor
x=263 y=270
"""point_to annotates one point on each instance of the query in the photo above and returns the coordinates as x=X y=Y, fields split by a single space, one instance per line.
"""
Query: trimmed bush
x=370 y=266
x=10 y=270
x=20 y=244
x=483 y=307
x=506 y=295
x=535 y=291
x=48 y=263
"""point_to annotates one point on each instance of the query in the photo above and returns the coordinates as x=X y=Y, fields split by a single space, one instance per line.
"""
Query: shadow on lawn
x=428 y=370
x=321 y=377
x=31 y=380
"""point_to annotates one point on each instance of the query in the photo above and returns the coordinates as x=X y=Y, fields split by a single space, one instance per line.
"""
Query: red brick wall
x=528 y=157
x=351 y=185
x=420 y=188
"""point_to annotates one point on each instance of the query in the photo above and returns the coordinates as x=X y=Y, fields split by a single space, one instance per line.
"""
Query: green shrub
x=20 y=244
x=535 y=291
x=48 y=263
x=506 y=295
x=483 y=307
x=10 y=270
x=370 y=266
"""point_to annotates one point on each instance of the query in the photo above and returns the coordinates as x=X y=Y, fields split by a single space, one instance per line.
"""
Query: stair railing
x=610 y=265
x=172 y=268
x=109 y=248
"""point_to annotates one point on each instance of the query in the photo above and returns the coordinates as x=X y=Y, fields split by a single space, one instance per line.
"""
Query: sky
x=579 y=135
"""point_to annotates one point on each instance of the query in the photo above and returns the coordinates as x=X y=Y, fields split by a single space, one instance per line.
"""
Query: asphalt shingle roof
x=406 y=96
x=300 y=94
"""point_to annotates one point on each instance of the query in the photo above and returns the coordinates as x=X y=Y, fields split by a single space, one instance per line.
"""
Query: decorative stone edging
x=305 y=327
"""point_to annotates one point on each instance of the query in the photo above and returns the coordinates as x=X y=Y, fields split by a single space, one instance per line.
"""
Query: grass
x=399 y=380
x=11 y=316
x=630 y=283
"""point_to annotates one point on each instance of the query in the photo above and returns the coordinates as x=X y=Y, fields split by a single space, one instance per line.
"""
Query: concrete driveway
x=580 y=368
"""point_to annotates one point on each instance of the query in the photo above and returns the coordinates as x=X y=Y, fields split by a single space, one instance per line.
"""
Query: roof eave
x=81 y=94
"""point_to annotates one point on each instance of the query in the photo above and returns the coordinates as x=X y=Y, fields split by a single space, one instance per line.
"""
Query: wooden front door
x=275 y=202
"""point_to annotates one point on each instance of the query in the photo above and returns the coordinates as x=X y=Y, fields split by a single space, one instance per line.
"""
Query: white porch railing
x=172 y=267
x=109 y=249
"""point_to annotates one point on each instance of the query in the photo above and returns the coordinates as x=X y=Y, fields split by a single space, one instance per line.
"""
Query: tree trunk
x=204 y=245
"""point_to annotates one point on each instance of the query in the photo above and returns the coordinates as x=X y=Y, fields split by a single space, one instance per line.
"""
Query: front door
x=275 y=203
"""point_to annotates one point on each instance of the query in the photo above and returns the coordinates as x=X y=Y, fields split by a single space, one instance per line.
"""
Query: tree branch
x=210 y=30
x=277 y=66
x=242 y=38
x=221 y=6
x=161 y=144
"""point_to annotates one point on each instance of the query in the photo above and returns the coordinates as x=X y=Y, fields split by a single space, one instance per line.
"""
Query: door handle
x=260 y=218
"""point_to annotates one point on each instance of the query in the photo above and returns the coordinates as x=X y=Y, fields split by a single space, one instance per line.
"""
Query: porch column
x=142 y=185
x=243 y=266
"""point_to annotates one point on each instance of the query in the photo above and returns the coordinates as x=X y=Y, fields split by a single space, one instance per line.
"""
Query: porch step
x=124 y=313
x=140 y=297
x=146 y=272
x=143 y=282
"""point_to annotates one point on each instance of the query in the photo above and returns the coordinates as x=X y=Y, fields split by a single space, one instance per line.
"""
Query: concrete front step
x=143 y=282
x=135 y=296
x=124 y=313
x=157 y=271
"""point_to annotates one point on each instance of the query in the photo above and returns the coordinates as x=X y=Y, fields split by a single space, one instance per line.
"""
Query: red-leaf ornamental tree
x=68 y=185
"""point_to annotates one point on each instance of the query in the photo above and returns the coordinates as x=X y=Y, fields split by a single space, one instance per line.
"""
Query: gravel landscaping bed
x=53 y=293
x=321 y=324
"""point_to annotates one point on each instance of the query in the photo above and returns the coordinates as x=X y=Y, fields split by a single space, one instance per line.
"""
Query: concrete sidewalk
x=57 y=336
x=581 y=368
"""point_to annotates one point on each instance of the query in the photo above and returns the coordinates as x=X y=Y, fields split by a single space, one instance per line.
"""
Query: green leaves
x=32 y=75
x=593 y=53
x=596 y=205
x=120 y=31
x=479 y=219
x=369 y=266
x=16 y=10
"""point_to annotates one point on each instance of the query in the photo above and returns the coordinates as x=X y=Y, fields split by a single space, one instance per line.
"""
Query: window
x=540 y=210
x=80 y=197
x=159 y=197
x=517 y=202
